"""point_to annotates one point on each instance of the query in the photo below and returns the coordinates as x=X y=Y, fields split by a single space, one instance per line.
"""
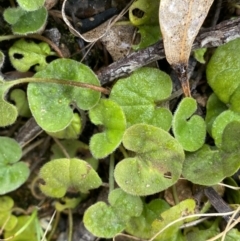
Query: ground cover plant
x=99 y=140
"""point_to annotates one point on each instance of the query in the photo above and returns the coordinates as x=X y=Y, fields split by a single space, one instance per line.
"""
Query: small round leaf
x=158 y=155
x=63 y=174
x=50 y=103
x=191 y=134
x=140 y=96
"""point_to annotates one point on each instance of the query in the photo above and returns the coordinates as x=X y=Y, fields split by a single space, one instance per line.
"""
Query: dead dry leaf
x=180 y=21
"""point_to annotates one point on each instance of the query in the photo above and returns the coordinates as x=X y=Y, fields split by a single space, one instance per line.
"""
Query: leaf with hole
x=190 y=133
x=64 y=174
x=142 y=96
x=157 y=164
x=143 y=12
x=209 y=166
x=184 y=208
x=144 y=16
x=142 y=226
x=24 y=22
x=223 y=73
x=12 y=172
x=29 y=5
x=51 y=103
x=106 y=221
x=110 y=115
x=26 y=54
x=180 y=21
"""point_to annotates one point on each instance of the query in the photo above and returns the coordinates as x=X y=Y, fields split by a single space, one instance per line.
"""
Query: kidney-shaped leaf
x=102 y=221
x=157 y=164
x=191 y=134
x=60 y=175
x=50 y=103
x=12 y=173
x=109 y=114
x=210 y=166
x=106 y=221
x=139 y=94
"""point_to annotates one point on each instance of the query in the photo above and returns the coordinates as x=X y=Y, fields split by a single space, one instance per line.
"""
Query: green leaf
x=150 y=34
x=102 y=221
x=8 y=112
x=199 y=55
x=142 y=226
x=140 y=96
x=30 y=22
x=20 y=98
x=106 y=221
x=30 y=5
x=191 y=134
x=29 y=54
x=157 y=154
x=60 y=175
x=110 y=115
x=7 y=220
x=12 y=173
x=210 y=166
x=220 y=123
x=223 y=71
x=148 y=14
x=12 y=15
x=184 y=208
x=125 y=205
x=74 y=148
x=70 y=132
x=67 y=203
x=50 y=103
x=214 y=108
x=29 y=233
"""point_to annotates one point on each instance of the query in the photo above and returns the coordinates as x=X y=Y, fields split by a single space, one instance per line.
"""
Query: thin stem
x=55 y=224
x=58 y=81
x=70 y=228
x=63 y=149
x=35 y=36
x=123 y=150
x=111 y=172
x=175 y=195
